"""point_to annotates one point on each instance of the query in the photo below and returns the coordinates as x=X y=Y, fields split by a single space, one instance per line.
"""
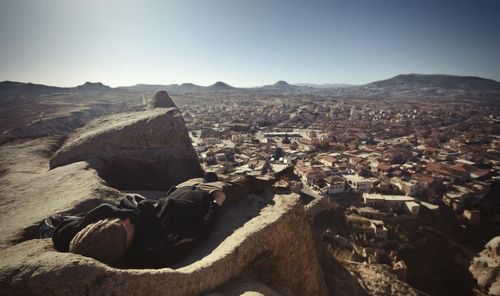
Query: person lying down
x=144 y=233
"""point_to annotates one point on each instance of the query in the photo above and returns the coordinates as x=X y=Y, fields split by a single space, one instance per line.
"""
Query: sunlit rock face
x=486 y=267
x=147 y=150
x=265 y=237
x=161 y=100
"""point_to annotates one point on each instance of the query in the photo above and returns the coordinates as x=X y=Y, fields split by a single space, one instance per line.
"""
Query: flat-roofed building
x=335 y=184
x=373 y=200
x=397 y=201
x=358 y=184
x=393 y=202
x=409 y=188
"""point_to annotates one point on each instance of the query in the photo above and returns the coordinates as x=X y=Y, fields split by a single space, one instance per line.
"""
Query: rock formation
x=266 y=238
x=30 y=193
x=486 y=267
x=61 y=123
x=161 y=100
x=148 y=150
x=261 y=243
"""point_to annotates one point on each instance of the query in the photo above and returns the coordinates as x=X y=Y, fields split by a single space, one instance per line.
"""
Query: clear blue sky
x=245 y=43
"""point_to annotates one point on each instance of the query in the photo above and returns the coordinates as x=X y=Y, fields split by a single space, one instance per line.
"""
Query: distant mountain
x=423 y=86
x=219 y=85
x=148 y=87
x=282 y=83
x=176 y=88
x=401 y=86
x=326 y=85
x=93 y=86
x=422 y=81
x=278 y=85
x=189 y=85
x=302 y=88
x=11 y=87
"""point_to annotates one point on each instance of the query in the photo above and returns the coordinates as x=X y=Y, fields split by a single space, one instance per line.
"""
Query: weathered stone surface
x=139 y=150
x=246 y=287
x=486 y=267
x=275 y=245
x=30 y=192
x=60 y=123
x=266 y=237
x=378 y=280
x=161 y=100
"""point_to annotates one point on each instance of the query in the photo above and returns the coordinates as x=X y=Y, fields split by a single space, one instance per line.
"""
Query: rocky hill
x=15 y=88
x=220 y=86
x=283 y=85
x=485 y=267
x=429 y=87
x=420 y=81
x=402 y=86
x=93 y=86
x=20 y=88
x=186 y=87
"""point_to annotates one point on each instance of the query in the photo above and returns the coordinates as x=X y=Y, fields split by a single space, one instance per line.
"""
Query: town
x=383 y=165
x=428 y=153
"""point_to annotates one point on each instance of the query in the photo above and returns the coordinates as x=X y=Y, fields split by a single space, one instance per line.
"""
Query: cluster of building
x=386 y=162
x=423 y=152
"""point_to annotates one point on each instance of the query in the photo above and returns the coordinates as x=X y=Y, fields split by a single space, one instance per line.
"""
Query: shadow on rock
x=232 y=218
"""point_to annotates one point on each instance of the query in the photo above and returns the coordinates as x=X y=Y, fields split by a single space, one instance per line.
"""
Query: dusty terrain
x=264 y=239
x=30 y=192
x=263 y=244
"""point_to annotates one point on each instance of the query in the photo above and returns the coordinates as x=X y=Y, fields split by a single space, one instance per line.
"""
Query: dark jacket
x=179 y=221
x=166 y=231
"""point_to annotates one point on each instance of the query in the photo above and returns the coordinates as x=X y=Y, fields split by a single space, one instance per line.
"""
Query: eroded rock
x=30 y=193
x=139 y=150
x=161 y=100
x=486 y=267
x=275 y=245
x=245 y=286
x=266 y=237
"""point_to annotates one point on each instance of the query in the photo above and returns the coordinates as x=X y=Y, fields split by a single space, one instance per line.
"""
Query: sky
x=245 y=42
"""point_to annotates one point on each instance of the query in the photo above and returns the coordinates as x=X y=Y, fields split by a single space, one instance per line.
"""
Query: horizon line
x=232 y=85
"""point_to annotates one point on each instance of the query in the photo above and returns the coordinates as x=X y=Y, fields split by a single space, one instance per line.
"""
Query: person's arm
x=212 y=214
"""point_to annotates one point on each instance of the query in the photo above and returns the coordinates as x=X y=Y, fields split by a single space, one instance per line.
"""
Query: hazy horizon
x=245 y=43
x=237 y=86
